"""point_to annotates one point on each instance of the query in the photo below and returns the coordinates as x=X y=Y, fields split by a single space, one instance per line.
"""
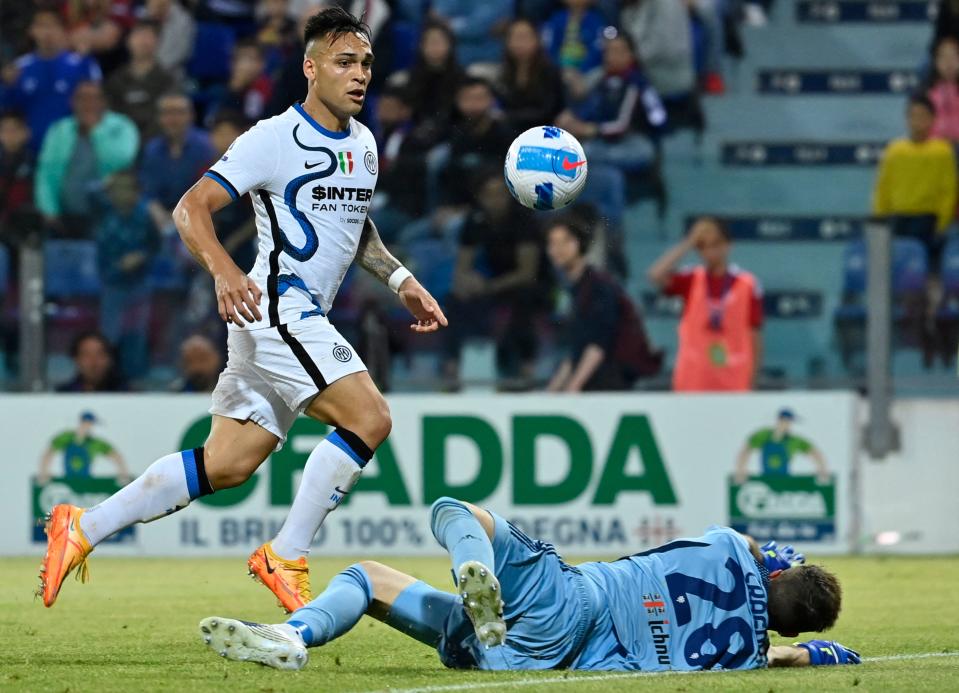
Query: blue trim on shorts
x=336 y=440
x=189 y=469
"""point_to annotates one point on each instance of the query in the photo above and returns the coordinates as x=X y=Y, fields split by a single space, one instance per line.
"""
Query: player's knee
x=379 y=423
x=225 y=471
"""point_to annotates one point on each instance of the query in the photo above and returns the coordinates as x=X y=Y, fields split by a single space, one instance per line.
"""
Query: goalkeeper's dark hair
x=804 y=599
x=332 y=23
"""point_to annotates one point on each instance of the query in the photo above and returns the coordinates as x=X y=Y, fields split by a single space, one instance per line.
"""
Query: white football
x=545 y=168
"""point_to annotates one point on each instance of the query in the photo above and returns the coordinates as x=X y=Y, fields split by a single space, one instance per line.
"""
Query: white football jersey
x=311 y=190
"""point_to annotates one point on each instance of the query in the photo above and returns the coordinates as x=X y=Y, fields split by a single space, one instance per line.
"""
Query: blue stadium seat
x=950 y=266
x=406 y=39
x=910 y=266
x=70 y=269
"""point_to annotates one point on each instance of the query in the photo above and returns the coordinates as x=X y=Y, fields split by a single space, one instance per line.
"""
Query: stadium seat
x=70 y=269
x=947 y=313
x=212 y=52
x=71 y=286
x=910 y=272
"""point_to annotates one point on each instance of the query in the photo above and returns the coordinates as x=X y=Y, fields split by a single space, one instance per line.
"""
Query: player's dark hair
x=577 y=228
x=332 y=23
x=719 y=225
x=804 y=599
x=920 y=99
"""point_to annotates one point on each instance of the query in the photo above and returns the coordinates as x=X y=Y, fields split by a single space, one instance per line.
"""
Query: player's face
x=339 y=72
x=562 y=247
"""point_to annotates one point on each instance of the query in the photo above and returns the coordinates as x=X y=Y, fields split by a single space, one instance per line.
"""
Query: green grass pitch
x=133 y=628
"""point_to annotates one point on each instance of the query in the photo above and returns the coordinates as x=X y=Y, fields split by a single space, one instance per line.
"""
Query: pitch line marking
x=518 y=683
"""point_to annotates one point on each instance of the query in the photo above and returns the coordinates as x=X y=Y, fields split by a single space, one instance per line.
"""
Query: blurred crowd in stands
x=111 y=110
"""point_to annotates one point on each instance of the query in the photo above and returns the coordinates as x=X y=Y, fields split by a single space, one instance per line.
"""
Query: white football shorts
x=273 y=373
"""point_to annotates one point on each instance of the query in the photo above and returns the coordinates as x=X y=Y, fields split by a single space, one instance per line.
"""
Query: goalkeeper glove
x=775 y=558
x=823 y=652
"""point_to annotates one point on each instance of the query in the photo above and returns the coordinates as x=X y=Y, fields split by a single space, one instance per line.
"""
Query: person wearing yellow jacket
x=917 y=174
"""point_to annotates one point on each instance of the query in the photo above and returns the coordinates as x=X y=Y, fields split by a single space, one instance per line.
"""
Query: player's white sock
x=168 y=485
x=331 y=471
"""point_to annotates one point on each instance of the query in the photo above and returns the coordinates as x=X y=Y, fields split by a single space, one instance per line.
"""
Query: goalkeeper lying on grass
x=703 y=603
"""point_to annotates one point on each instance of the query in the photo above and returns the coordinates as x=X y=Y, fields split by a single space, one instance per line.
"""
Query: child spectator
x=530 y=86
x=249 y=88
x=917 y=174
x=16 y=175
x=617 y=111
x=126 y=241
x=433 y=81
x=41 y=83
x=134 y=88
x=943 y=89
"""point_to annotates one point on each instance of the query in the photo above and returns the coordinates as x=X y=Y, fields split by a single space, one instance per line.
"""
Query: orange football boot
x=67 y=548
x=288 y=580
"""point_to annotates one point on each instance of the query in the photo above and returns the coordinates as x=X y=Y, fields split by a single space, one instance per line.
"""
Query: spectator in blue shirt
x=478 y=27
x=618 y=114
x=42 y=83
x=173 y=160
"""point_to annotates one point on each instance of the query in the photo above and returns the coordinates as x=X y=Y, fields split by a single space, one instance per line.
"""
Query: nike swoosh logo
x=269 y=569
x=341 y=491
x=308 y=166
x=571 y=165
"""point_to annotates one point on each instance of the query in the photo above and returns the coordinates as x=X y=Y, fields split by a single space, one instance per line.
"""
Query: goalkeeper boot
x=242 y=641
x=479 y=589
x=67 y=549
x=288 y=580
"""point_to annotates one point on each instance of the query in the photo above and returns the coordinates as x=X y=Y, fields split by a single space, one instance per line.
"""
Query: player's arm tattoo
x=373 y=256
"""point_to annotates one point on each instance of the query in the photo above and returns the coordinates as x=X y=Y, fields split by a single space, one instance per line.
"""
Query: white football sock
x=168 y=485
x=331 y=470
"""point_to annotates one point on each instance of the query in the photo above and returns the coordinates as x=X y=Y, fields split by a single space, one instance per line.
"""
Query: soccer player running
x=311 y=172
x=703 y=603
